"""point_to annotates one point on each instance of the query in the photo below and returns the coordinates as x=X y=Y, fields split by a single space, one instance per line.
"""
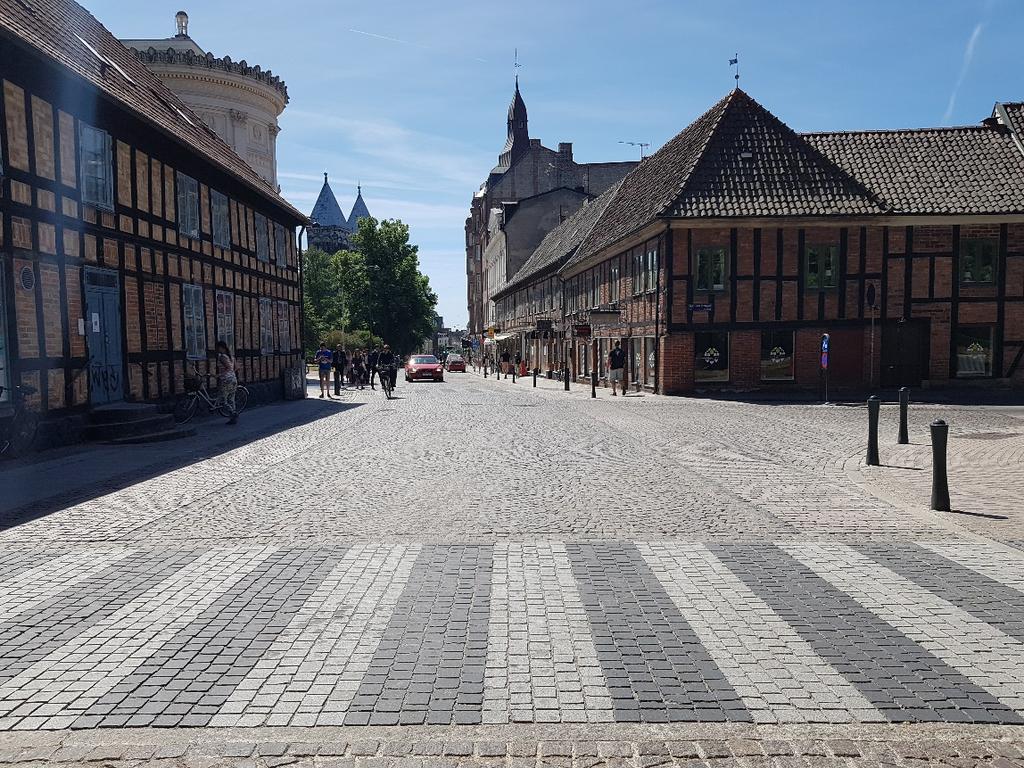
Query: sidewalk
x=57 y=478
x=576 y=388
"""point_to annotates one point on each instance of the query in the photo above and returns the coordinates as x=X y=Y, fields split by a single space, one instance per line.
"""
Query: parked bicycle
x=18 y=430
x=197 y=392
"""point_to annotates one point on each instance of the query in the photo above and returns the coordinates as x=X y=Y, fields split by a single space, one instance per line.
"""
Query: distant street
x=482 y=572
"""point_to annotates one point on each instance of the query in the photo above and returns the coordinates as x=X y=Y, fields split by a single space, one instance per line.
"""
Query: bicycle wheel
x=241 y=398
x=23 y=432
x=185 y=407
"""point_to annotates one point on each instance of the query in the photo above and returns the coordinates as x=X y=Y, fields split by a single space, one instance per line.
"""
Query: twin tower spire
x=327 y=212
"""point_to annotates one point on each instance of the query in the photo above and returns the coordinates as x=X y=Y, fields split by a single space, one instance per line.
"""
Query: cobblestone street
x=489 y=573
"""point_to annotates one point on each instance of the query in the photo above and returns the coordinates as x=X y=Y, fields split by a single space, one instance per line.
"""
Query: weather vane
x=735 y=62
x=516 y=65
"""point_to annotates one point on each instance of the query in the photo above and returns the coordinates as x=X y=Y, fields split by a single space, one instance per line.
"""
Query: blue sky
x=419 y=118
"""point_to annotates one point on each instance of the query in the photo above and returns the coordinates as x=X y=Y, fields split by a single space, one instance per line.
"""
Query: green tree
x=395 y=299
x=377 y=288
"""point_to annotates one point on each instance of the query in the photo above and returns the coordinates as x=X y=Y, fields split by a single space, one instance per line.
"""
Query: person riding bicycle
x=227 y=379
x=387 y=365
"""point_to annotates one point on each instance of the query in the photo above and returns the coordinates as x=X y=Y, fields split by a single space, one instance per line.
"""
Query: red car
x=424 y=368
x=456 y=363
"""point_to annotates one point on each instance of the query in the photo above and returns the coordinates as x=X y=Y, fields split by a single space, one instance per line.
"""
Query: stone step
x=112 y=430
x=153 y=437
x=121 y=412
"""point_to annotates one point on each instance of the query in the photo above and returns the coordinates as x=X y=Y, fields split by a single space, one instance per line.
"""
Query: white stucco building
x=240 y=101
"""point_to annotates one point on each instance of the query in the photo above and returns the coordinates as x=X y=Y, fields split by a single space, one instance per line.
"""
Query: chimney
x=565 y=150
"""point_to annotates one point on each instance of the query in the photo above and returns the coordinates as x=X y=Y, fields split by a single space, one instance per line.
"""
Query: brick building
x=131 y=237
x=722 y=259
x=525 y=169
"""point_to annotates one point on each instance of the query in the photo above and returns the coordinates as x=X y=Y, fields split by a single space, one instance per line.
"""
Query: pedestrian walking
x=227 y=380
x=340 y=363
x=359 y=368
x=371 y=364
x=323 y=360
x=616 y=364
x=506 y=360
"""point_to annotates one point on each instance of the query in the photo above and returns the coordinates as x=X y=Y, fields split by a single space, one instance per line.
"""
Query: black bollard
x=904 y=403
x=534 y=377
x=565 y=378
x=940 y=483
x=873 y=405
x=513 y=374
x=593 y=383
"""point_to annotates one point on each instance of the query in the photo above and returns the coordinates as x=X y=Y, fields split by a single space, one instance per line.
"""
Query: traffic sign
x=824 y=351
x=701 y=307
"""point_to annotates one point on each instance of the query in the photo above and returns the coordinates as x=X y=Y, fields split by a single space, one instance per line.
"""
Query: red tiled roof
x=65 y=32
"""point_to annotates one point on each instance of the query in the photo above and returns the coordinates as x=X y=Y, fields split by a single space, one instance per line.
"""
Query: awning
x=503 y=336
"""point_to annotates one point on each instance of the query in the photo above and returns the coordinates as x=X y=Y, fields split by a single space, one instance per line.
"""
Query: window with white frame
x=195 y=322
x=266 y=327
x=637 y=271
x=281 y=245
x=711 y=269
x=96 y=167
x=613 y=280
x=284 y=327
x=225 y=304
x=651 y=268
x=262 y=238
x=221 y=219
x=188 y=205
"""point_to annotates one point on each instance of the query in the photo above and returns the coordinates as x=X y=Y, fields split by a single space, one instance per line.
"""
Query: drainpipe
x=662 y=260
x=302 y=302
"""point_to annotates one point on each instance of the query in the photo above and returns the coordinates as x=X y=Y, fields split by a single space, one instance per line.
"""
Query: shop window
x=821 y=266
x=636 y=349
x=978 y=260
x=266 y=327
x=221 y=219
x=711 y=356
x=649 y=359
x=225 y=303
x=711 y=269
x=974 y=351
x=262 y=238
x=777 y=355
x=96 y=167
x=195 y=322
x=188 y=205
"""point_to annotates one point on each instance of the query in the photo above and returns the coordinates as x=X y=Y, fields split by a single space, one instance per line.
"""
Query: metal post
x=565 y=378
x=940 y=483
x=904 y=403
x=593 y=383
x=513 y=373
x=535 y=378
x=873 y=406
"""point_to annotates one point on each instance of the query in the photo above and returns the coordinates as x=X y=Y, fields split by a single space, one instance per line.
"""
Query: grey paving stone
x=884 y=664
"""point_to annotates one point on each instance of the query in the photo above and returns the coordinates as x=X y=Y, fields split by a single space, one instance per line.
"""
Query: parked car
x=424 y=368
x=456 y=363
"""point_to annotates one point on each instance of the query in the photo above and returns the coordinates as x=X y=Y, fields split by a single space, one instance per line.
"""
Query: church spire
x=518 y=140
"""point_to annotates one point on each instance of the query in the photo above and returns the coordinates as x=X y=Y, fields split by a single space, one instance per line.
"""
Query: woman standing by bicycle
x=227 y=380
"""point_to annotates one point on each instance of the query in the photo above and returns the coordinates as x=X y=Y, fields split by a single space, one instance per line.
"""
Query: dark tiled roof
x=756 y=165
x=561 y=243
x=326 y=211
x=650 y=187
x=970 y=170
x=1013 y=111
x=64 y=31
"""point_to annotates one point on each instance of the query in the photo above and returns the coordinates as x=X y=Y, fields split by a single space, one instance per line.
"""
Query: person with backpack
x=616 y=365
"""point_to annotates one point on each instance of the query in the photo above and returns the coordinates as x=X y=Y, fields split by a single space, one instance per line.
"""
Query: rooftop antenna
x=641 y=144
x=735 y=62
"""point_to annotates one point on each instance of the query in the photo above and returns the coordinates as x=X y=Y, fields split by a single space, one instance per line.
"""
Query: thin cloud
x=409 y=42
x=966 y=65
